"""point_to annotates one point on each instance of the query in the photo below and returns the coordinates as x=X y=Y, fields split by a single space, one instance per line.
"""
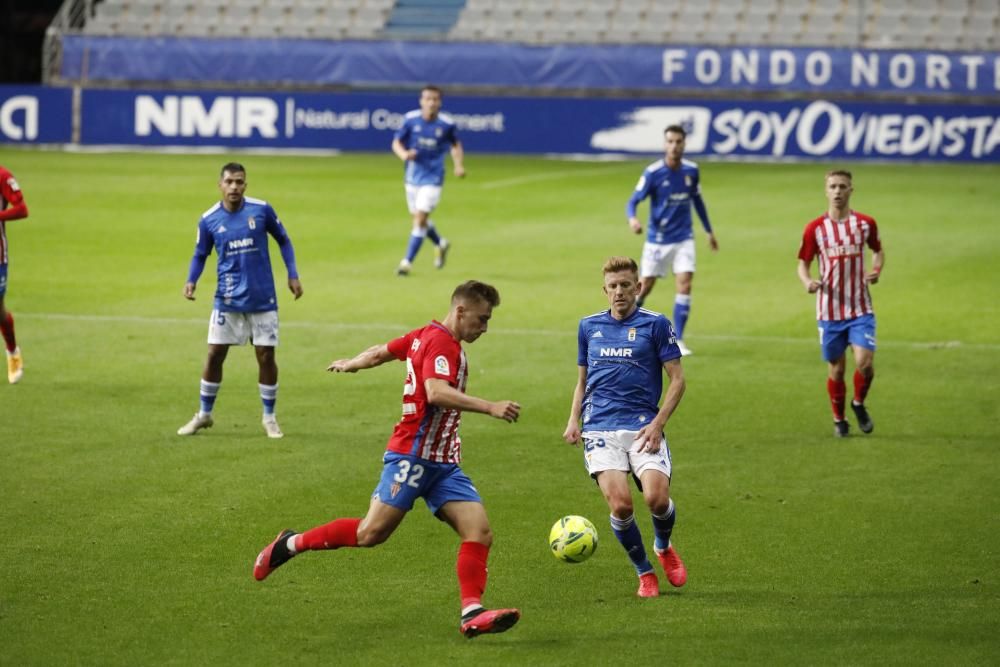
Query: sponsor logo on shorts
x=394 y=489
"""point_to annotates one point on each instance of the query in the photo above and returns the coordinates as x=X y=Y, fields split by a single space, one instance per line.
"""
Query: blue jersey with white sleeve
x=246 y=283
x=671 y=194
x=431 y=139
x=624 y=361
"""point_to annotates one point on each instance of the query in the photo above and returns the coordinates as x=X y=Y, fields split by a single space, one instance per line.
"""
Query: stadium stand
x=922 y=24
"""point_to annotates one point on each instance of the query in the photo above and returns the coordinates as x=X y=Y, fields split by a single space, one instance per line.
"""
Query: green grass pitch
x=125 y=544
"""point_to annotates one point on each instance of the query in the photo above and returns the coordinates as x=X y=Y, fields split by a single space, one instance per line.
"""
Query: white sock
x=471 y=607
x=290 y=543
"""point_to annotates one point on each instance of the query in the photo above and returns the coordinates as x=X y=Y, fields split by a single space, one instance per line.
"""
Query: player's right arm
x=807 y=251
x=810 y=283
x=402 y=152
x=374 y=356
x=202 y=249
x=572 y=433
x=640 y=192
x=399 y=144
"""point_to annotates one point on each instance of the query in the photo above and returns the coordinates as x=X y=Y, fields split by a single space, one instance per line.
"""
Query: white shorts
x=231 y=328
x=422 y=198
x=657 y=256
x=617 y=450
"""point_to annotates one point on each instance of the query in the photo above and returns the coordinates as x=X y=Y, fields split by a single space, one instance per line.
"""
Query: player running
x=421 y=143
x=672 y=185
x=246 y=306
x=12 y=207
x=622 y=354
x=843 y=302
x=422 y=457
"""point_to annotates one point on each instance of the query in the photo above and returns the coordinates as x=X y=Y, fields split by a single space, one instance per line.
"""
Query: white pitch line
x=547 y=176
x=402 y=328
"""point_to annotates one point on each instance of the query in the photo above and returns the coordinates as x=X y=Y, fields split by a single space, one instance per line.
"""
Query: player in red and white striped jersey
x=843 y=301
x=12 y=207
x=421 y=459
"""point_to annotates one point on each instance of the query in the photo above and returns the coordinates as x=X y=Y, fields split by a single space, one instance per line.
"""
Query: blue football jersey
x=624 y=361
x=246 y=283
x=432 y=139
x=670 y=194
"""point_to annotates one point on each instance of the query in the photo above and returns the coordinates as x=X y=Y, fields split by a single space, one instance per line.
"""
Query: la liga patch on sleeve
x=441 y=365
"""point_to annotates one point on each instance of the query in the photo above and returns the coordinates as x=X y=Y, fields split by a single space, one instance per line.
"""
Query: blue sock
x=268 y=396
x=209 y=390
x=663 y=526
x=416 y=240
x=432 y=233
x=682 y=308
x=628 y=534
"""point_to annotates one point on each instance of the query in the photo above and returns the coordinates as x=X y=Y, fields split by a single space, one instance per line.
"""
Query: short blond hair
x=474 y=290
x=839 y=172
x=616 y=264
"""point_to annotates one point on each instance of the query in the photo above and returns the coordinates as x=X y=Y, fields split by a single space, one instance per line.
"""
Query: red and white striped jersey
x=425 y=430
x=840 y=246
x=10 y=195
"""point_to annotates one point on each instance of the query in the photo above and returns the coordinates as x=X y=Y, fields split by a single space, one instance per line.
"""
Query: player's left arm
x=878 y=261
x=649 y=436
x=277 y=230
x=878 y=255
x=702 y=210
x=441 y=394
x=458 y=158
x=11 y=192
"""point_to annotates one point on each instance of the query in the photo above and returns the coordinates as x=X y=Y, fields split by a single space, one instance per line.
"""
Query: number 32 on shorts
x=409 y=473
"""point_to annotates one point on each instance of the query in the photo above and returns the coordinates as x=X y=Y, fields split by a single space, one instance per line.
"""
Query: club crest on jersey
x=438 y=132
x=631 y=333
x=687 y=180
x=441 y=365
x=251 y=223
x=394 y=489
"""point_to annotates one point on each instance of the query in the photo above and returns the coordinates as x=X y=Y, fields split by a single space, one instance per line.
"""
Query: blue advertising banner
x=747 y=129
x=594 y=67
x=35 y=115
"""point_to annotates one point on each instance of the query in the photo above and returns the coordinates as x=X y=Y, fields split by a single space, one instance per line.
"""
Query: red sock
x=7 y=329
x=837 y=391
x=338 y=533
x=471 y=569
x=861 y=385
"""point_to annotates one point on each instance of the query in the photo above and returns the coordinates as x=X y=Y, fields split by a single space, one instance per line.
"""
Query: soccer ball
x=573 y=539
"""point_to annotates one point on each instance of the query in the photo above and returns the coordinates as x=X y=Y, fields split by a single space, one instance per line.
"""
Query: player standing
x=843 y=302
x=12 y=207
x=422 y=457
x=622 y=353
x=672 y=185
x=421 y=144
x=246 y=306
